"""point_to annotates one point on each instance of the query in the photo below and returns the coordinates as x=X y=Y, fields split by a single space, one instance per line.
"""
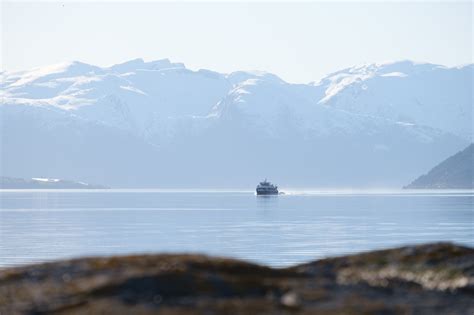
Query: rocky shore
x=425 y=279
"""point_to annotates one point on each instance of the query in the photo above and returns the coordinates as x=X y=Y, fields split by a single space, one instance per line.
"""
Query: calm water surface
x=278 y=231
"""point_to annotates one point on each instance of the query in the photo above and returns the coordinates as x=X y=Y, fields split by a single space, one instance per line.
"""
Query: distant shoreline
x=287 y=193
x=44 y=183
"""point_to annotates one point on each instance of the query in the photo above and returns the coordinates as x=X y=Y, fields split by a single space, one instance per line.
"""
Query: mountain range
x=159 y=124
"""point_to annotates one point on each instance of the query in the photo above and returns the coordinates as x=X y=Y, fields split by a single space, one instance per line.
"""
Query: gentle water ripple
x=279 y=231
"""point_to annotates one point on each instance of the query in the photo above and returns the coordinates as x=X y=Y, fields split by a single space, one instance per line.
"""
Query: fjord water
x=40 y=225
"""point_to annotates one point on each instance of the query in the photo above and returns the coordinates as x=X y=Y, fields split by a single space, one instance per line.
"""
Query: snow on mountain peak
x=128 y=65
x=150 y=92
x=69 y=68
x=340 y=80
x=238 y=77
x=140 y=64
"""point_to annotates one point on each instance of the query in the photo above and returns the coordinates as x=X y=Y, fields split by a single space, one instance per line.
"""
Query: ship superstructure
x=266 y=188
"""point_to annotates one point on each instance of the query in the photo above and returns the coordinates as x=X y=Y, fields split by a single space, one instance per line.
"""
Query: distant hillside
x=43 y=183
x=455 y=172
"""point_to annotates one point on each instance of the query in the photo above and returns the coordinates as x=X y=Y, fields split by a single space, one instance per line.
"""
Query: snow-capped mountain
x=422 y=94
x=160 y=124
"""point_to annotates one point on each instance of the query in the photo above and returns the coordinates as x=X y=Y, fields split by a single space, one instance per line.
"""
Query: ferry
x=266 y=188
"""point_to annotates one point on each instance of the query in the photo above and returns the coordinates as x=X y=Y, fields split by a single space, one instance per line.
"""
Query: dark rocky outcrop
x=456 y=172
x=425 y=279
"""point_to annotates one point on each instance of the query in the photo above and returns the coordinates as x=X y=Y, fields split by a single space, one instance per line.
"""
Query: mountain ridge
x=161 y=109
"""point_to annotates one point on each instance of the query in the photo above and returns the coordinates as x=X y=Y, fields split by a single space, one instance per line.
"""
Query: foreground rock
x=426 y=279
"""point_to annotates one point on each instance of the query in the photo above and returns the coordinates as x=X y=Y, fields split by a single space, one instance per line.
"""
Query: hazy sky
x=300 y=42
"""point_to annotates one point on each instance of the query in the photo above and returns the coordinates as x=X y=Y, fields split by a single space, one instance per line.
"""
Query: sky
x=299 y=41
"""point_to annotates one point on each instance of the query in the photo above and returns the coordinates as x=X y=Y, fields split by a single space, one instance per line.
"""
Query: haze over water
x=279 y=231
